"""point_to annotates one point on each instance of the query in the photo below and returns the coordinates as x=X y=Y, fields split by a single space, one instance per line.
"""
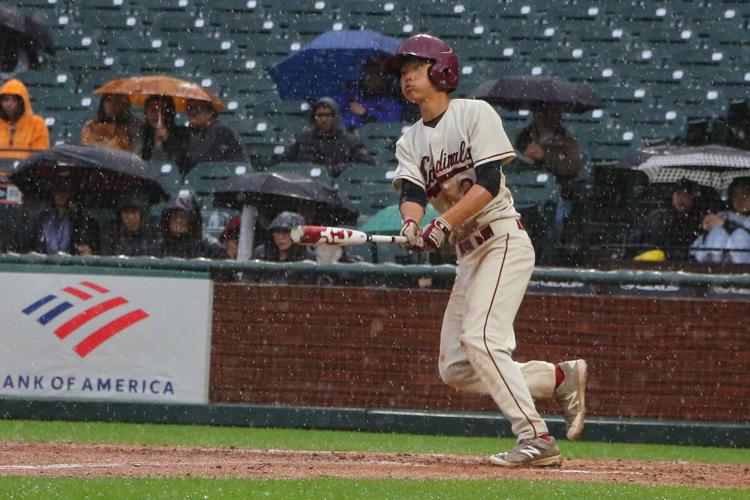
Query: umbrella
x=278 y=191
x=98 y=174
x=711 y=166
x=32 y=33
x=388 y=220
x=139 y=88
x=538 y=92
x=332 y=59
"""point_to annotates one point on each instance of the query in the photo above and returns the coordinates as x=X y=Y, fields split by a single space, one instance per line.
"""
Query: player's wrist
x=443 y=225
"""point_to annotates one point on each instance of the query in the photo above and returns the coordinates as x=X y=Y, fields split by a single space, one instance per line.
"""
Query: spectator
x=326 y=142
x=230 y=237
x=130 y=234
x=726 y=236
x=182 y=231
x=375 y=97
x=547 y=144
x=281 y=248
x=63 y=227
x=20 y=128
x=162 y=138
x=210 y=140
x=114 y=126
x=671 y=229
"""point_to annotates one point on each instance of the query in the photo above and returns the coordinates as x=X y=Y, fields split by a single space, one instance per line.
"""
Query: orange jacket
x=29 y=132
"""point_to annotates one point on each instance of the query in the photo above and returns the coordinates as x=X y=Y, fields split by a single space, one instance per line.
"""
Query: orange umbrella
x=139 y=88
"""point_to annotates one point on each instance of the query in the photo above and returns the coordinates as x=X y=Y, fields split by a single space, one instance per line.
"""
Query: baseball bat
x=338 y=236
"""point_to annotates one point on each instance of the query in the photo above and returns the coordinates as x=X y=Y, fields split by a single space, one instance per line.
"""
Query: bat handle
x=378 y=238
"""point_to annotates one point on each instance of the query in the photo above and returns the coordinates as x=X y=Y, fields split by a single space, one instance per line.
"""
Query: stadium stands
x=657 y=66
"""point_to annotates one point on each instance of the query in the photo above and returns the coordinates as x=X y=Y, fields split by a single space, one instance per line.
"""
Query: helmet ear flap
x=442 y=76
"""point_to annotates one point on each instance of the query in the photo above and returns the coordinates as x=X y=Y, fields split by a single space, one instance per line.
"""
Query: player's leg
x=455 y=368
x=503 y=268
x=566 y=382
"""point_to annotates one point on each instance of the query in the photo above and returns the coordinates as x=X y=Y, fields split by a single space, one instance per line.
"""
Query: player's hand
x=435 y=233
x=410 y=229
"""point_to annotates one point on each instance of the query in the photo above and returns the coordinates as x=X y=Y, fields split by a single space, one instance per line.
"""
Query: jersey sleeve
x=487 y=136
x=407 y=166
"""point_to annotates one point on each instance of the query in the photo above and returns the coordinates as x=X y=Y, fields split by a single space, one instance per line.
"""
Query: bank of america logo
x=51 y=307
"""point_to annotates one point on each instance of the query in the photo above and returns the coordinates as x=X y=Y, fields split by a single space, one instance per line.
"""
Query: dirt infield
x=54 y=459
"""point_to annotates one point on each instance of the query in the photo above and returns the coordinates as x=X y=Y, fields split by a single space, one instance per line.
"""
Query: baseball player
x=453 y=158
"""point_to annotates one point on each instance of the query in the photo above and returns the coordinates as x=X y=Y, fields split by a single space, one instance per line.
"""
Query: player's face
x=415 y=83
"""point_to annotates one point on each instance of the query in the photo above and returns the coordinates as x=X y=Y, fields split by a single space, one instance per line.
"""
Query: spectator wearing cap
x=20 y=129
x=210 y=140
x=181 y=229
x=671 y=229
x=130 y=234
x=326 y=143
x=62 y=228
x=114 y=126
x=281 y=248
x=726 y=235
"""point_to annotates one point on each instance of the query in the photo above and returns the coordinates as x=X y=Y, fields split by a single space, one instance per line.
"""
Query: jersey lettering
x=447 y=165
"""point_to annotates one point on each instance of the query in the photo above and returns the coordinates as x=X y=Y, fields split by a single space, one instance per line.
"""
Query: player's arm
x=489 y=176
x=412 y=206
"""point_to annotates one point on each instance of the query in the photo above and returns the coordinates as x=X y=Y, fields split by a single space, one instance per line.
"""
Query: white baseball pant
x=477 y=338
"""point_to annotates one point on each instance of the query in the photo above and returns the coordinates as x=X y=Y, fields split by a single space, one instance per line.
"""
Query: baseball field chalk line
x=60 y=466
x=244 y=462
x=576 y=471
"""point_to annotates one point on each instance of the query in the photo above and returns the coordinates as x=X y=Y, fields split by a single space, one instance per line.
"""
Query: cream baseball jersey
x=442 y=159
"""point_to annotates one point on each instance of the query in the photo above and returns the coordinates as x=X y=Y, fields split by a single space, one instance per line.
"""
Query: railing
x=593 y=276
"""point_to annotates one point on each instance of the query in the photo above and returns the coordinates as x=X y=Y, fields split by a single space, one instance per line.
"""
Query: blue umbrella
x=325 y=64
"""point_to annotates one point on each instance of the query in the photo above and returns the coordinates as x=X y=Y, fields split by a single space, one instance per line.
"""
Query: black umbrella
x=32 y=34
x=537 y=92
x=98 y=175
x=274 y=192
x=711 y=165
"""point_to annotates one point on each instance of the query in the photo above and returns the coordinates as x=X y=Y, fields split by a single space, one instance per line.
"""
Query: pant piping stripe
x=486 y=347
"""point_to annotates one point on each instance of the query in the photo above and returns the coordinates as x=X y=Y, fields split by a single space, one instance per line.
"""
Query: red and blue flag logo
x=67 y=306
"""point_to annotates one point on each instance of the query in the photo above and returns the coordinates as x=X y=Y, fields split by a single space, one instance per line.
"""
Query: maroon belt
x=477 y=239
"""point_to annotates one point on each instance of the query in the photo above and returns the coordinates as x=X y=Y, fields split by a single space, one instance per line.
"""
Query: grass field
x=107 y=433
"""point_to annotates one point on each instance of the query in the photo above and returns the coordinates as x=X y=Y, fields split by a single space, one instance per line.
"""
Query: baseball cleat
x=571 y=396
x=539 y=452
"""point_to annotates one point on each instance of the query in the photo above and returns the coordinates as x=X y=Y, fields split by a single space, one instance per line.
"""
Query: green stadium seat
x=167 y=174
x=203 y=180
x=182 y=22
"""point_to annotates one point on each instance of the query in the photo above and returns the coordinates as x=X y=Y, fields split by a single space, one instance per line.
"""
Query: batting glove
x=410 y=229
x=435 y=233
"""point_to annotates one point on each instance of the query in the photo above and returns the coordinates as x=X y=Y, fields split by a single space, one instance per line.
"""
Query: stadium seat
x=202 y=180
x=167 y=174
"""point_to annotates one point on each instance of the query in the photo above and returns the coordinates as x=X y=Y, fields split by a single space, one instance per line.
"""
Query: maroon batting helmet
x=443 y=60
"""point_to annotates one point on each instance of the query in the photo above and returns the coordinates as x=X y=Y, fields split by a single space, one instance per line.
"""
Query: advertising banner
x=105 y=337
